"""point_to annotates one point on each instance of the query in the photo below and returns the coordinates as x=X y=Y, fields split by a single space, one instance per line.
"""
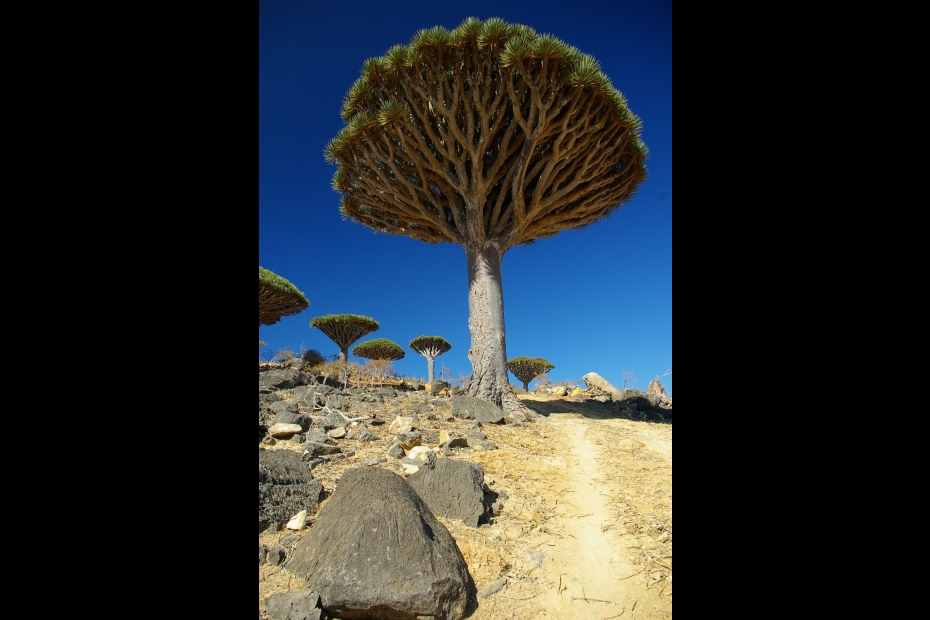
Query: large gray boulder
x=471 y=408
x=452 y=489
x=293 y=606
x=377 y=552
x=280 y=379
x=285 y=487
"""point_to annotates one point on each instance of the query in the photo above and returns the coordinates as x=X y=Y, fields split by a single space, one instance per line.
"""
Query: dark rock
x=268 y=440
x=262 y=553
x=476 y=434
x=319 y=449
x=452 y=489
x=312 y=461
x=278 y=379
x=285 y=487
x=281 y=407
x=318 y=437
x=293 y=606
x=291 y=417
x=476 y=409
x=276 y=554
x=389 y=392
x=486 y=444
x=396 y=451
x=438 y=386
x=367 y=435
x=393 y=559
x=337 y=401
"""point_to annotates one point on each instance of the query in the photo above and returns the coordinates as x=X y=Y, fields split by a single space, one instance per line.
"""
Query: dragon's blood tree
x=528 y=368
x=277 y=298
x=345 y=329
x=430 y=347
x=488 y=136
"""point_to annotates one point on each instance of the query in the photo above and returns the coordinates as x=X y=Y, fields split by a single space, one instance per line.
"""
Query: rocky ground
x=583 y=528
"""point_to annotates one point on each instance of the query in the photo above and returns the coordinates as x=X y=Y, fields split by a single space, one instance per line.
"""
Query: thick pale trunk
x=488 y=353
x=344 y=354
x=429 y=369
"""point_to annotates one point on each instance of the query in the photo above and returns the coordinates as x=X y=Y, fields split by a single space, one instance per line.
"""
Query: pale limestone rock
x=592 y=379
x=298 y=521
x=419 y=452
x=283 y=431
x=401 y=424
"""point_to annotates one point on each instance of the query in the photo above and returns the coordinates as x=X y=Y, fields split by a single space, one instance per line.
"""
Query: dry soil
x=586 y=528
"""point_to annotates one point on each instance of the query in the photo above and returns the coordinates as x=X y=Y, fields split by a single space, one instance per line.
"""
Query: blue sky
x=592 y=300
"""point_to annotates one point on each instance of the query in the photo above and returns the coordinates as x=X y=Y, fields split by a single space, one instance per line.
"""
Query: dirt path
x=588 y=533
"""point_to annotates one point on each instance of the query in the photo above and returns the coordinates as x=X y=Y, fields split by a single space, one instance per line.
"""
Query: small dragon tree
x=528 y=368
x=429 y=347
x=345 y=329
x=488 y=136
x=381 y=350
x=277 y=297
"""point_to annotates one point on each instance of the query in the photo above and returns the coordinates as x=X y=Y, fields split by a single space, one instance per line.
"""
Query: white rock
x=401 y=424
x=298 y=521
x=419 y=452
x=595 y=380
x=410 y=469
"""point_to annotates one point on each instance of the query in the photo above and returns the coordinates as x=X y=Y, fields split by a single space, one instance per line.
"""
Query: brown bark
x=488 y=352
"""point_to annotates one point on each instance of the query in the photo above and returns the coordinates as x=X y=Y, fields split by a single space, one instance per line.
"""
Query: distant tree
x=277 y=298
x=381 y=352
x=379 y=349
x=345 y=329
x=487 y=136
x=528 y=368
x=430 y=347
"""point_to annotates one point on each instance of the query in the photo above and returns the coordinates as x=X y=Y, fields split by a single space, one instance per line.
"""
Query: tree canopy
x=528 y=368
x=489 y=129
x=277 y=297
x=430 y=346
x=344 y=329
x=379 y=349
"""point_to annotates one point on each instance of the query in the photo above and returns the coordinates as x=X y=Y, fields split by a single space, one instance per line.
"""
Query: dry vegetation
x=586 y=528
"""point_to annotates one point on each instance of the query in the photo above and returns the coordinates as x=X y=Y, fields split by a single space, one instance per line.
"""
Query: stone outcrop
x=452 y=489
x=285 y=487
x=592 y=379
x=377 y=551
x=471 y=408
